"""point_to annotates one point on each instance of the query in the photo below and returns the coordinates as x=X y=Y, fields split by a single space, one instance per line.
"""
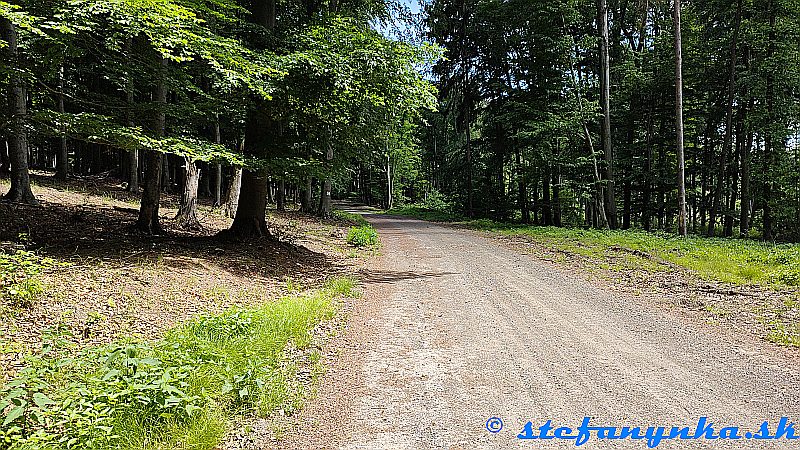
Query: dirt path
x=454 y=329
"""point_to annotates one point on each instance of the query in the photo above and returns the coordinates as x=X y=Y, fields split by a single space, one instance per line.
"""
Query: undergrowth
x=19 y=276
x=363 y=236
x=178 y=392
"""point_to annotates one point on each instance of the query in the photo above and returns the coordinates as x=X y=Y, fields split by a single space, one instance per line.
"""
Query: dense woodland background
x=520 y=133
x=550 y=112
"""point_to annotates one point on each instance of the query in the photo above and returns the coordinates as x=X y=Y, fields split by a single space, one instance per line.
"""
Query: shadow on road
x=389 y=276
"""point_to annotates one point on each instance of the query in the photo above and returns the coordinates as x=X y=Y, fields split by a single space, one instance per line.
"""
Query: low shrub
x=19 y=276
x=363 y=236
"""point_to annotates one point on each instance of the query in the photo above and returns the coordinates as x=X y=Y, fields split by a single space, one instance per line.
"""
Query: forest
x=208 y=204
x=564 y=113
x=240 y=103
x=555 y=113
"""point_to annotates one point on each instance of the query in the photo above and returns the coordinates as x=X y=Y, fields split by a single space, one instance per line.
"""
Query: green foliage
x=177 y=392
x=363 y=236
x=19 y=276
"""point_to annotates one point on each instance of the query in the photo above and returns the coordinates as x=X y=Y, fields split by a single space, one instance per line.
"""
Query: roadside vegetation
x=178 y=392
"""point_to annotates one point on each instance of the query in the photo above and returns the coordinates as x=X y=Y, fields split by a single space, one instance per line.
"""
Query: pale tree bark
x=149 y=221
x=20 y=191
x=187 y=212
x=217 y=184
x=232 y=197
x=682 y=214
x=605 y=103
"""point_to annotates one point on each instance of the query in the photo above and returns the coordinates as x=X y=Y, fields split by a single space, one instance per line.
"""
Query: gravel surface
x=454 y=329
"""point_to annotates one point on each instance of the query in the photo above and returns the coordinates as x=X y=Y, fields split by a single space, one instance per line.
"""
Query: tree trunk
x=522 y=189
x=62 y=160
x=605 y=101
x=682 y=214
x=768 y=138
x=187 y=212
x=556 y=208
x=547 y=208
x=133 y=155
x=468 y=132
x=20 y=191
x=250 y=220
x=205 y=180
x=308 y=194
x=280 y=195
x=232 y=196
x=744 y=215
x=166 y=176
x=149 y=221
x=325 y=200
x=217 y=168
x=217 y=185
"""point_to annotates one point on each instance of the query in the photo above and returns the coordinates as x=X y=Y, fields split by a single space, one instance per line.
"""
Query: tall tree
x=682 y=213
x=20 y=191
x=605 y=103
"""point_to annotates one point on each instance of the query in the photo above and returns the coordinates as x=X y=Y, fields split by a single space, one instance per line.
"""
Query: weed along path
x=454 y=329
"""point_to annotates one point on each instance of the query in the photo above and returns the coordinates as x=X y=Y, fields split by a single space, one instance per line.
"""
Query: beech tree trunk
x=218 y=185
x=308 y=194
x=149 y=221
x=187 y=212
x=250 y=221
x=232 y=197
x=20 y=191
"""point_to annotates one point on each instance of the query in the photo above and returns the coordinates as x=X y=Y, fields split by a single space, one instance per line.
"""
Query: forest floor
x=102 y=281
x=458 y=326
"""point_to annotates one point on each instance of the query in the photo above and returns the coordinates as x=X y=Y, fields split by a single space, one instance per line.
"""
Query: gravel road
x=454 y=329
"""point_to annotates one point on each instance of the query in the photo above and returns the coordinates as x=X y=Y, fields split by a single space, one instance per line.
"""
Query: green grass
x=736 y=261
x=177 y=393
x=728 y=260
